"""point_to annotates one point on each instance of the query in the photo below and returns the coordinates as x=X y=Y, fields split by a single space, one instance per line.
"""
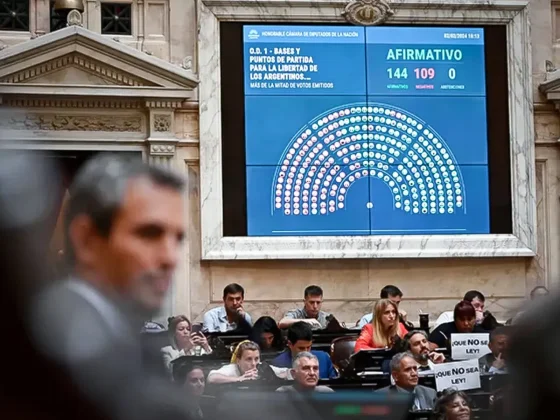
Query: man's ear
x=84 y=237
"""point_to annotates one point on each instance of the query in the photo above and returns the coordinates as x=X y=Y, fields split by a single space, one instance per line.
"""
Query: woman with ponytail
x=244 y=366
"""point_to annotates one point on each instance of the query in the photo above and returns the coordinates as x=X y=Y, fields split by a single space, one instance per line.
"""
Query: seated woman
x=452 y=405
x=183 y=341
x=244 y=366
x=192 y=379
x=464 y=322
x=384 y=330
x=267 y=335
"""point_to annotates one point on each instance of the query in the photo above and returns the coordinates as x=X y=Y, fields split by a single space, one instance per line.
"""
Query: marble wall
x=351 y=286
x=430 y=285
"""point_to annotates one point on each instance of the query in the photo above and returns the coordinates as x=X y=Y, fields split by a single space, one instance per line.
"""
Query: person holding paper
x=477 y=300
x=464 y=322
x=404 y=371
x=384 y=330
x=416 y=342
x=495 y=362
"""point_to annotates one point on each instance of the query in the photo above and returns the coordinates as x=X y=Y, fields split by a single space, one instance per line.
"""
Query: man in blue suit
x=300 y=339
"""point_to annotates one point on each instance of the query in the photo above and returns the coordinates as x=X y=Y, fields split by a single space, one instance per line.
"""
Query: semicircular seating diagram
x=349 y=142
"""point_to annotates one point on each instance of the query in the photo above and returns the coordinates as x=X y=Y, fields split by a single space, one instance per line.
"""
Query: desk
x=208 y=362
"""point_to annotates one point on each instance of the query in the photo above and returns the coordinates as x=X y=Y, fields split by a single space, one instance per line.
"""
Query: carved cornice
x=163 y=104
x=162 y=149
x=543 y=108
x=190 y=106
x=57 y=122
x=19 y=102
x=101 y=70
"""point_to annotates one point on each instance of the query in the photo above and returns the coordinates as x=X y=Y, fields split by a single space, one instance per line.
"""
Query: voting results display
x=365 y=131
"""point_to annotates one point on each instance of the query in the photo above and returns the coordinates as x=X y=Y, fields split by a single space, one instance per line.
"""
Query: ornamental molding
x=85 y=123
x=107 y=73
x=367 y=12
x=162 y=149
x=33 y=102
x=120 y=71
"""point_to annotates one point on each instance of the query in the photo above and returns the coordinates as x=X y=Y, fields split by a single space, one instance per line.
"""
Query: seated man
x=300 y=339
x=311 y=312
x=495 y=362
x=475 y=298
x=394 y=294
x=536 y=294
x=305 y=371
x=416 y=343
x=243 y=366
x=229 y=317
x=404 y=371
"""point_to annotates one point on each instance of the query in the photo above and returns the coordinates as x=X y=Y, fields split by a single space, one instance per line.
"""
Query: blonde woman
x=383 y=329
x=243 y=366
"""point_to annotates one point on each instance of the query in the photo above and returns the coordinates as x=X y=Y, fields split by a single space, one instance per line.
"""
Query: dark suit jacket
x=534 y=361
x=98 y=342
x=426 y=396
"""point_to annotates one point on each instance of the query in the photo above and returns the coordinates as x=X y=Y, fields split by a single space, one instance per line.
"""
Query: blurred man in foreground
x=29 y=188
x=124 y=229
x=533 y=363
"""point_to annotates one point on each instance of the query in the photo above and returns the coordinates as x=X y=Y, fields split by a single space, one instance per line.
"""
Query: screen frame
x=521 y=243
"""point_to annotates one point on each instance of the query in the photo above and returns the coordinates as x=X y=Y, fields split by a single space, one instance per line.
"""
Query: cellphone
x=196 y=328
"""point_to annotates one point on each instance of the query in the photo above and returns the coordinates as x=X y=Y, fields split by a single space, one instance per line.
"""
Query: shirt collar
x=405 y=390
x=222 y=314
x=309 y=317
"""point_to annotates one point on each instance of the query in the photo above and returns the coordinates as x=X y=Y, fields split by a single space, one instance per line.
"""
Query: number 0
x=451 y=74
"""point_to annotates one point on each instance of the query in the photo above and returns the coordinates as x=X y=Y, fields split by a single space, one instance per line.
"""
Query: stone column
x=161 y=150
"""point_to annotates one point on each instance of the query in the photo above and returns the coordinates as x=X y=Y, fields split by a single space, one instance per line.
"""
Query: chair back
x=341 y=350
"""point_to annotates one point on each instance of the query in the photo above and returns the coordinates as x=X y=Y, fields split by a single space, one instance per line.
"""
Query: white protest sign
x=469 y=346
x=460 y=375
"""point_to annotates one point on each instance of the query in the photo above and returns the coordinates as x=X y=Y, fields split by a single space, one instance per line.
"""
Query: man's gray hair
x=397 y=359
x=303 y=355
x=99 y=189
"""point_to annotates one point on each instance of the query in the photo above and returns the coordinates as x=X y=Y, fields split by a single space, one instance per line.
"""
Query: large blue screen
x=365 y=131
